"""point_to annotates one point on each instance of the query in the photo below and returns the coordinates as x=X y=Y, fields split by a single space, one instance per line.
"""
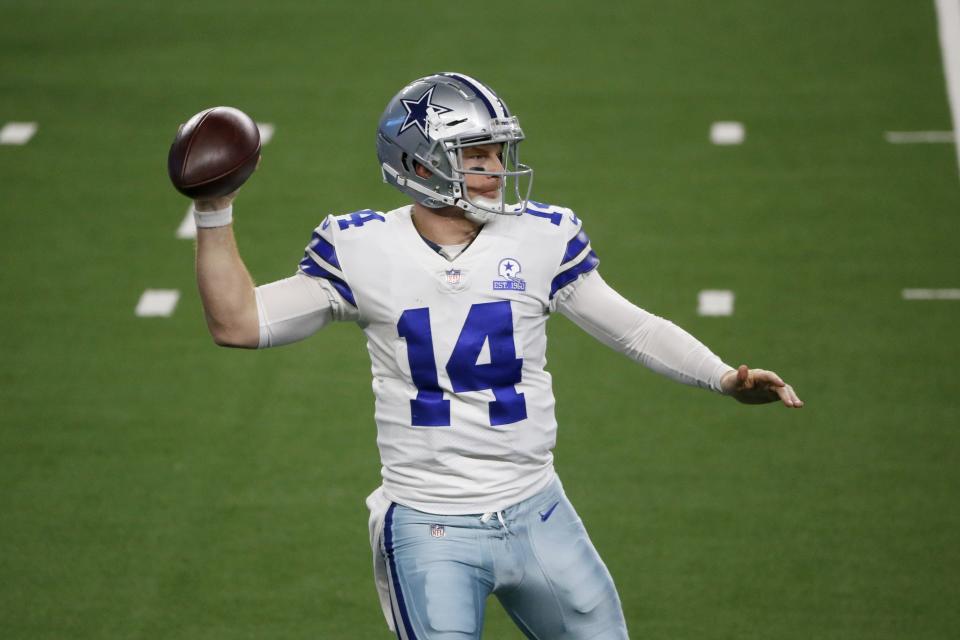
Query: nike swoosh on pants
x=546 y=514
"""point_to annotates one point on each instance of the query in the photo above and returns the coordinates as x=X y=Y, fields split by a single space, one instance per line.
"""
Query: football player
x=453 y=292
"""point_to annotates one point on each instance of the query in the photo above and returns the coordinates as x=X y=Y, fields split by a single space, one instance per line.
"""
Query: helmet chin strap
x=482 y=210
x=474 y=213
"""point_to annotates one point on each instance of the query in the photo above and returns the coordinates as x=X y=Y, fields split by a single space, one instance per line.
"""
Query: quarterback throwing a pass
x=453 y=293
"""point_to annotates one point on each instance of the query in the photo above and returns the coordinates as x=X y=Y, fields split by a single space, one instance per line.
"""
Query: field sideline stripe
x=948 y=19
x=266 y=132
x=18 y=133
x=930 y=294
x=188 y=227
x=919 y=137
x=157 y=303
x=726 y=132
x=715 y=302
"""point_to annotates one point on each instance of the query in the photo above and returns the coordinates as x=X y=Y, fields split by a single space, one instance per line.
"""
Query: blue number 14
x=490 y=323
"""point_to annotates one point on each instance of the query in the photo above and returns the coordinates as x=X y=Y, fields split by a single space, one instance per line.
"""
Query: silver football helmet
x=430 y=122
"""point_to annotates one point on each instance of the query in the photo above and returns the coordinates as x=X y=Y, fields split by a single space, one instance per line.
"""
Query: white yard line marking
x=266 y=132
x=727 y=133
x=919 y=137
x=188 y=228
x=948 y=19
x=715 y=302
x=17 y=132
x=157 y=303
x=930 y=294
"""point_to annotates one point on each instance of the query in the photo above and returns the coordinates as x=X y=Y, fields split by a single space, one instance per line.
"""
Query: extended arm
x=662 y=346
x=226 y=288
x=650 y=340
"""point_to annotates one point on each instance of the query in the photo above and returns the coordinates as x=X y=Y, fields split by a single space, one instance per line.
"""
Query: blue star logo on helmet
x=418 y=110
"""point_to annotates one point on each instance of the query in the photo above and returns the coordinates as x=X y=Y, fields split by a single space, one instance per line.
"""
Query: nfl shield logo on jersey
x=437 y=530
x=452 y=280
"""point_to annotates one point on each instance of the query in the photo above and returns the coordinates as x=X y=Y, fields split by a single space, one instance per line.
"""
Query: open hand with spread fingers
x=759 y=386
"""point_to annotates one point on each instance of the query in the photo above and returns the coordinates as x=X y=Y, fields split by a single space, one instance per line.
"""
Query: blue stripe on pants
x=388 y=548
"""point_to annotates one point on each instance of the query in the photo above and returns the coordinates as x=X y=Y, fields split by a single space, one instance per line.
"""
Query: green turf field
x=153 y=485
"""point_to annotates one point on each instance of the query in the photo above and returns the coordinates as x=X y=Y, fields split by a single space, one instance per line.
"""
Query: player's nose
x=495 y=165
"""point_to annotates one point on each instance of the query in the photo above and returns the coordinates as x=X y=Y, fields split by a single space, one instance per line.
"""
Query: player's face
x=484 y=157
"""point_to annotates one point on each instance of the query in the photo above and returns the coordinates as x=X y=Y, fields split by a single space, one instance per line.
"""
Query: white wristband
x=210 y=219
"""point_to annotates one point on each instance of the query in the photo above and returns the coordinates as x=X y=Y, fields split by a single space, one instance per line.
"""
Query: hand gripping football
x=214 y=153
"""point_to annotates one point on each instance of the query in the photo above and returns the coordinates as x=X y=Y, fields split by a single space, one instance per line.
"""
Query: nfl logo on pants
x=437 y=530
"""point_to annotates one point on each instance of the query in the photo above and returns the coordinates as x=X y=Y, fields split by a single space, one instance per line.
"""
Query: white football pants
x=535 y=557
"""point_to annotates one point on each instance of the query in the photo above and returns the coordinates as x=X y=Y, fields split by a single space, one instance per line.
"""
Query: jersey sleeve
x=578 y=257
x=320 y=261
x=650 y=340
x=295 y=308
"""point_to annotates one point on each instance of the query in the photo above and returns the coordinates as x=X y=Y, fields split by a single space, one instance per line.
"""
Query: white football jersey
x=464 y=405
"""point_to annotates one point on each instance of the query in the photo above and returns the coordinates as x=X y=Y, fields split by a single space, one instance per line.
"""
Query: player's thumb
x=743 y=376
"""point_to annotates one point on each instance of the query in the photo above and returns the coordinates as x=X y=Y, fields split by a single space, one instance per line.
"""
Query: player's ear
x=421 y=170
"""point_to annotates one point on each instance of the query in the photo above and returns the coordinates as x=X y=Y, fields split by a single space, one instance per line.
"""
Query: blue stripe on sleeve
x=324 y=249
x=566 y=277
x=310 y=267
x=576 y=245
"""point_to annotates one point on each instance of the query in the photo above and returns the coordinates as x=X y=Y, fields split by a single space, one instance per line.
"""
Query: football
x=214 y=153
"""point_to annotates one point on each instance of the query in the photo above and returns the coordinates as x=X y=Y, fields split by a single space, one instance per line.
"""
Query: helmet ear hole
x=420 y=170
x=403 y=161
